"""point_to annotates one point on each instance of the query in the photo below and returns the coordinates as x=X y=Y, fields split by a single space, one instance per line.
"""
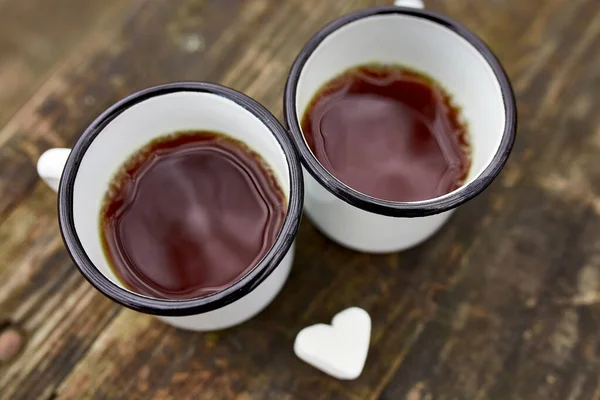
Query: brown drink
x=388 y=132
x=189 y=214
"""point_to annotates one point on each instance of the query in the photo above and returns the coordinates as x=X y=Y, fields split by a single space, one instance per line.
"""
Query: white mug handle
x=409 y=3
x=51 y=165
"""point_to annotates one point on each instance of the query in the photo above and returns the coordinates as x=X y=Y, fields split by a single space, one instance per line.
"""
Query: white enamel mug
x=442 y=49
x=127 y=126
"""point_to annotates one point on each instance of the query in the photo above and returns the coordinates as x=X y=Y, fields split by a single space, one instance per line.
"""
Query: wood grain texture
x=504 y=303
x=36 y=35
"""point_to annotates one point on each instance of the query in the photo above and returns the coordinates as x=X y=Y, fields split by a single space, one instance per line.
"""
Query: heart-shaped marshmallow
x=339 y=349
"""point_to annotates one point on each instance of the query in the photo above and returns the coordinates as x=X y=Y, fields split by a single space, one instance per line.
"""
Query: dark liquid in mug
x=388 y=132
x=189 y=214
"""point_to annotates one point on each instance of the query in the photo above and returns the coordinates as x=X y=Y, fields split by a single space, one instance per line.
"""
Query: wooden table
x=504 y=303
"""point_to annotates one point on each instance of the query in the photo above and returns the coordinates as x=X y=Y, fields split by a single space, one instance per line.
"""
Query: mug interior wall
x=146 y=121
x=425 y=46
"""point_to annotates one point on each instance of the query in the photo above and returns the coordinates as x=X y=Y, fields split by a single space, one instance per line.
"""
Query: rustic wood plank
x=503 y=303
x=44 y=296
x=23 y=138
x=40 y=291
x=524 y=311
x=35 y=36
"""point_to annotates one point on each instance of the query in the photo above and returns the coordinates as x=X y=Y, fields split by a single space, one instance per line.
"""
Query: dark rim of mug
x=203 y=304
x=387 y=207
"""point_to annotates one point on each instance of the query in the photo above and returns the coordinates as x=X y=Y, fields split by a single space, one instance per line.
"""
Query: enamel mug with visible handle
x=440 y=48
x=82 y=176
